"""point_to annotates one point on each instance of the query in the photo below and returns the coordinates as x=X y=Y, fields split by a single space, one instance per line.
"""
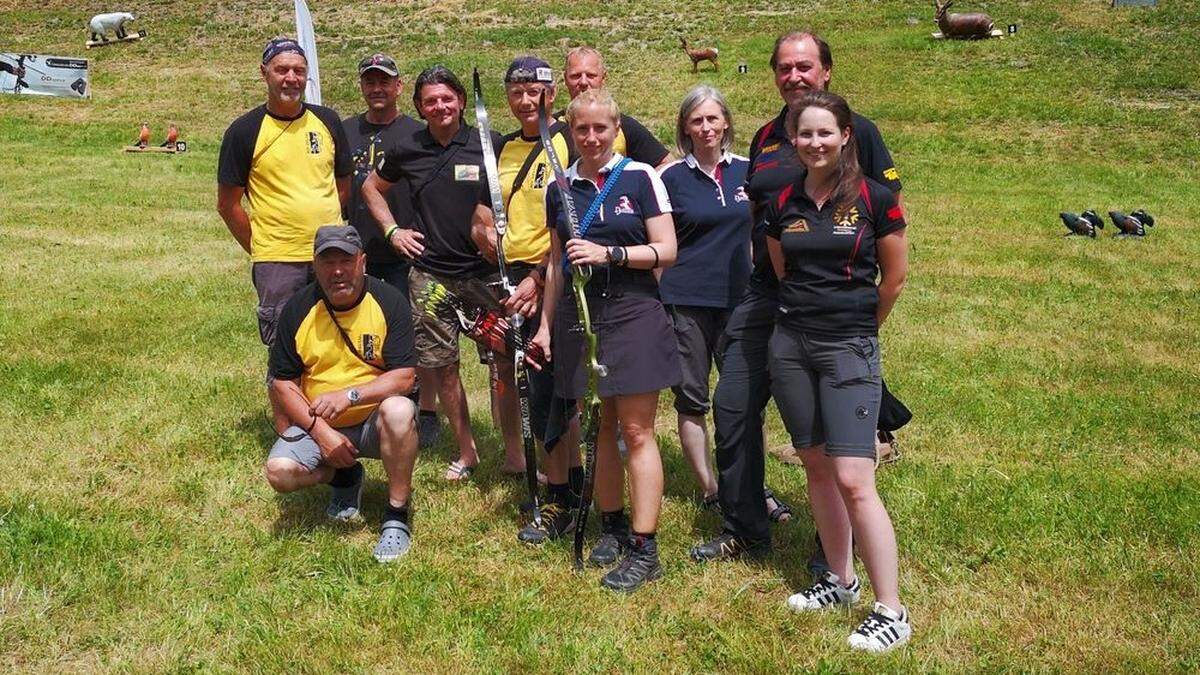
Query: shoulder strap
x=555 y=130
x=346 y=338
x=594 y=208
x=437 y=170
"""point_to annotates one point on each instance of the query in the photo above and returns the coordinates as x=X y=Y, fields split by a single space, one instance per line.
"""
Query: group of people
x=777 y=268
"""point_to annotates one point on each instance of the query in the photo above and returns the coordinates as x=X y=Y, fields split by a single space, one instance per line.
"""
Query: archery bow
x=521 y=369
x=580 y=275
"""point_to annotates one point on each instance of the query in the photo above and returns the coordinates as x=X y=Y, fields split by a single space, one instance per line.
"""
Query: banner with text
x=39 y=75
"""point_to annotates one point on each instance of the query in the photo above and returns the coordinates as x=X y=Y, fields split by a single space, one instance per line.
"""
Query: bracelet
x=655 y=265
x=310 y=427
x=392 y=230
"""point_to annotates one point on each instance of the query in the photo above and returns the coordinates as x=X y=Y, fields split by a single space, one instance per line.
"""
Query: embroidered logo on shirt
x=624 y=206
x=740 y=195
x=466 y=172
x=800 y=225
x=770 y=148
x=539 y=178
x=891 y=173
x=368 y=346
x=314 y=143
x=846 y=222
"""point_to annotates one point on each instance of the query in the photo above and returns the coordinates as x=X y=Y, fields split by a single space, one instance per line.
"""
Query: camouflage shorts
x=436 y=337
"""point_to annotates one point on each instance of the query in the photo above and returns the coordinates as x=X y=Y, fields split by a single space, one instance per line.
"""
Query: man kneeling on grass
x=341 y=364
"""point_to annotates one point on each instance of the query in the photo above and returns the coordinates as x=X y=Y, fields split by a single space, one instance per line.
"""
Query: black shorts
x=276 y=283
x=827 y=390
x=698 y=331
x=636 y=344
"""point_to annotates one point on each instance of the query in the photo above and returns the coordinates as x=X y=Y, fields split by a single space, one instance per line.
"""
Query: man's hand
x=541 y=339
x=408 y=243
x=336 y=450
x=524 y=299
x=329 y=405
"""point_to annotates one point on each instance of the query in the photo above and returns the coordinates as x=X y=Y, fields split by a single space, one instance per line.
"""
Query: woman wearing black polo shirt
x=829 y=235
x=631 y=234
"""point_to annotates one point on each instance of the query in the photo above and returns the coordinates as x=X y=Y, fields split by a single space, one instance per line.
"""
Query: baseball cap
x=342 y=237
x=528 y=69
x=381 y=62
x=280 y=45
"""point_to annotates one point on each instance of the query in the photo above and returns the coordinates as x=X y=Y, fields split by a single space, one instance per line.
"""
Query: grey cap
x=342 y=237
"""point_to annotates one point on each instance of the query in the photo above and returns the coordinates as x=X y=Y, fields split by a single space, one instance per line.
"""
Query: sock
x=614 y=522
x=346 y=477
x=428 y=413
x=644 y=541
x=399 y=513
x=575 y=479
x=560 y=493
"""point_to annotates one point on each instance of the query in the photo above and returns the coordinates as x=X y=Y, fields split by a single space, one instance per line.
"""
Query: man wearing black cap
x=372 y=135
x=292 y=162
x=341 y=363
x=525 y=174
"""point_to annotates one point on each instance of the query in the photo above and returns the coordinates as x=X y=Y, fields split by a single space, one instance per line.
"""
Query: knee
x=817 y=466
x=279 y=473
x=637 y=436
x=856 y=483
x=397 y=416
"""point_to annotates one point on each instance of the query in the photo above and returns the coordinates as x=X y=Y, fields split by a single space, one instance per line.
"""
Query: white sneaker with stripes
x=827 y=592
x=884 y=629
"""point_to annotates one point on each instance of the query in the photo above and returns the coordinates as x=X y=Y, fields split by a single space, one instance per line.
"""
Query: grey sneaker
x=429 y=429
x=394 y=541
x=344 y=502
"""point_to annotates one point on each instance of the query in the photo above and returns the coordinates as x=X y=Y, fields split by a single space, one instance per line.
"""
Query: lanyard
x=594 y=208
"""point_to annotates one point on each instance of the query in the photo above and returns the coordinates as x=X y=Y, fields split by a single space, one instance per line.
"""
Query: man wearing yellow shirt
x=290 y=159
x=340 y=367
x=525 y=174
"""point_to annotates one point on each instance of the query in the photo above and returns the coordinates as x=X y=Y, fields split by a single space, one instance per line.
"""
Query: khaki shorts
x=436 y=337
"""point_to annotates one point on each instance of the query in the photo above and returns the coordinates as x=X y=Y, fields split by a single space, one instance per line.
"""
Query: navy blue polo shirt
x=712 y=227
x=621 y=221
x=830 y=259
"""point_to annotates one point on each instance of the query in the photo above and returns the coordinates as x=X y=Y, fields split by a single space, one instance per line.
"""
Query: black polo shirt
x=774 y=165
x=830 y=260
x=443 y=182
x=633 y=140
x=368 y=145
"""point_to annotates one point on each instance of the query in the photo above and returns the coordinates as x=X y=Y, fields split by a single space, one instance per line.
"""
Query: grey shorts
x=827 y=390
x=276 y=283
x=305 y=451
x=436 y=337
x=697 y=330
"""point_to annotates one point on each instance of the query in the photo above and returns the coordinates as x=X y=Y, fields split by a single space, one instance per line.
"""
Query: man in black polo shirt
x=800 y=61
x=442 y=165
x=371 y=135
x=585 y=70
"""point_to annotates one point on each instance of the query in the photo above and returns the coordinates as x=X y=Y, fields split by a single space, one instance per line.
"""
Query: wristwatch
x=354 y=395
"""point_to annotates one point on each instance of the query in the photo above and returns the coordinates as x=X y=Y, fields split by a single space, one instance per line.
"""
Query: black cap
x=280 y=45
x=342 y=237
x=529 y=69
x=381 y=62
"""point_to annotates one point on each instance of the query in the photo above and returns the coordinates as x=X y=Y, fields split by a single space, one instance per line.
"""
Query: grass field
x=1048 y=507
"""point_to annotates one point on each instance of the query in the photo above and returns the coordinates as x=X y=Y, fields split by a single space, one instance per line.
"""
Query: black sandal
x=779 y=513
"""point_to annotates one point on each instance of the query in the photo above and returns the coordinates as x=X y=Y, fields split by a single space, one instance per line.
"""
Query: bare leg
x=509 y=408
x=872 y=527
x=454 y=405
x=636 y=413
x=693 y=437
x=285 y=475
x=609 y=486
x=829 y=511
x=429 y=388
x=398 y=446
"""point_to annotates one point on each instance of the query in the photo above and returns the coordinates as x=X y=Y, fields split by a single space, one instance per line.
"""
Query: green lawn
x=1048 y=506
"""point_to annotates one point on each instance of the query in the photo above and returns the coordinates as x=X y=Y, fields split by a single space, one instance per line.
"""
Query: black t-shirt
x=368 y=145
x=830 y=258
x=633 y=141
x=444 y=186
x=774 y=165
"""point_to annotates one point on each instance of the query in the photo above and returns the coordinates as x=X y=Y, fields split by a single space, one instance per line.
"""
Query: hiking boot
x=395 y=538
x=614 y=539
x=727 y=546
x=711 y=504
x=344 y=502
x=883 y=630
x=827 y=592
x=429 y=429
x=639 y=566
x=557 y=520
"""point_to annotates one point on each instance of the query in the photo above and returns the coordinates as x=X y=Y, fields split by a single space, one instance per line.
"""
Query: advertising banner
x=39 y=75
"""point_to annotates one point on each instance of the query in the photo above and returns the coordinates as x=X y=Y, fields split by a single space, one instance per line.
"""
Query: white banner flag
x=38 y=75
x=308 y=41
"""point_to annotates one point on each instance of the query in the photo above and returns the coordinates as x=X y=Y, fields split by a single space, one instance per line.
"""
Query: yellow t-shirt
x=527 y=239
x=289 y=170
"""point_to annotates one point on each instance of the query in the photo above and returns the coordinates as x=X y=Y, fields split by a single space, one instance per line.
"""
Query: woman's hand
x=584 y=252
